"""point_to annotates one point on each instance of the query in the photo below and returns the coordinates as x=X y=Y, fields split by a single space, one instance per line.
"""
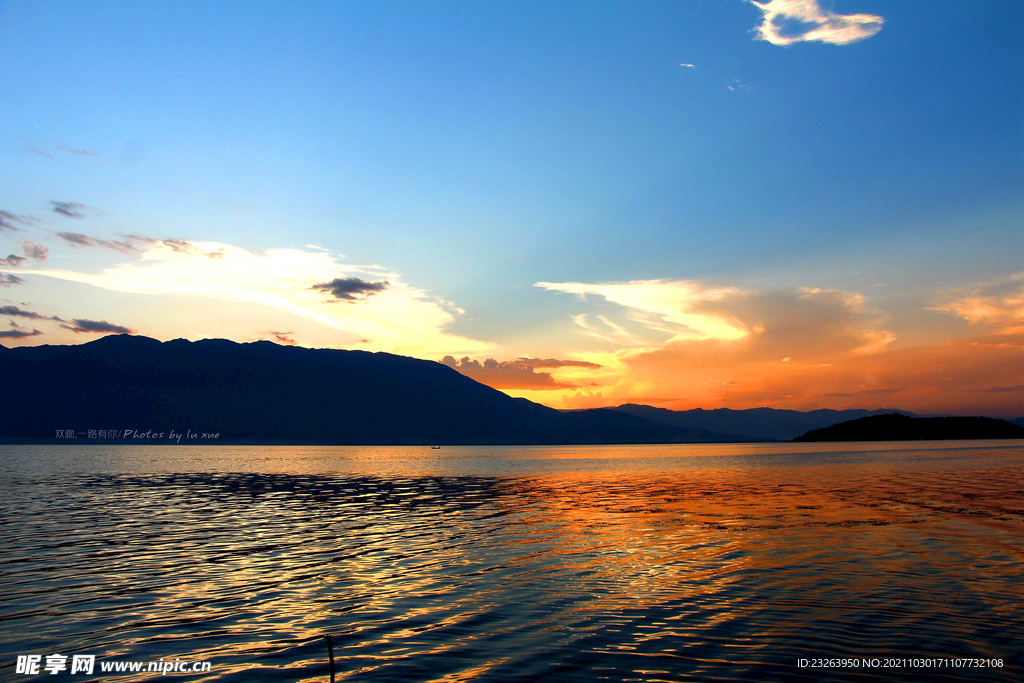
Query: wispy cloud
x=183 y=247
x=12 y=260
x=18 y=332
x=556 y=363
x=608 y=332
x=399 y=318
x=801 y=323
x=792 y=21
x=282 y=337
x=79 y=152
x=6 y=280
x=351 y=288
x=130 y=243
x=79 y=326
x=8 y=219
x=78 y=239
x=70 y=209
x=689 y=66
x=14 y=311
x=998 y=305
x=62 y=148
x=674 y=305
x=1015 y=389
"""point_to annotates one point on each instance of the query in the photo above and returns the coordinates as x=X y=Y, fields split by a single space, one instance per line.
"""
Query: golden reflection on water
x=658 y=563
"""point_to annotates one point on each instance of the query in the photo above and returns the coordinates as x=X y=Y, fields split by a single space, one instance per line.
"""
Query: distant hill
x=262 y=392
x=761 y=424
x=896 y=427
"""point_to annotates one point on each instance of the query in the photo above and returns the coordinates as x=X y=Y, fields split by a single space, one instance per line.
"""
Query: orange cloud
x=983 y=376
x=556 y=363
x=513 y=374
x=998 y=306
x=804 y=348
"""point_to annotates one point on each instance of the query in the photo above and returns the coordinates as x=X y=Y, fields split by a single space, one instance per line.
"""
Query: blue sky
x=468 y=151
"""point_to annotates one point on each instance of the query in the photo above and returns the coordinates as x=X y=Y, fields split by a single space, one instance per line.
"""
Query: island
x=898 y=427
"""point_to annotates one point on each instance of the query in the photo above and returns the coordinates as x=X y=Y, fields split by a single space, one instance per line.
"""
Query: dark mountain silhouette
x=762 y=424
x=1019 y=421
x=896 y=427
x=262 y=392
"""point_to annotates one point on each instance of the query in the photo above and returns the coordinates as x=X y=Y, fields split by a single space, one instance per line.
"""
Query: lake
x=871 y=561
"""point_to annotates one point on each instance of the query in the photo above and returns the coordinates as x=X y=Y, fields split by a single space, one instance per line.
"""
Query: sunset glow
x=790 y=203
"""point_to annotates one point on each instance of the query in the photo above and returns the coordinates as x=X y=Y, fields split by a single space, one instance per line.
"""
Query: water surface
x=640 y=563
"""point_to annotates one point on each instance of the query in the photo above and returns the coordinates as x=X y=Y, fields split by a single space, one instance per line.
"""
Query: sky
x=720 y=203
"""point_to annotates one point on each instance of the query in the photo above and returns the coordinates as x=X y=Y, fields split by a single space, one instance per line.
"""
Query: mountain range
x=133 y=389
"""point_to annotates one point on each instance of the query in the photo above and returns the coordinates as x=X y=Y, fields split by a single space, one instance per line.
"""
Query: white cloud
x=793 y=21
x=804 y=322
x=665 y=306
x=399 y=319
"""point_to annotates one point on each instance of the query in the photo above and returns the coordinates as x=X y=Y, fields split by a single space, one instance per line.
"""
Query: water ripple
x=463 y=570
